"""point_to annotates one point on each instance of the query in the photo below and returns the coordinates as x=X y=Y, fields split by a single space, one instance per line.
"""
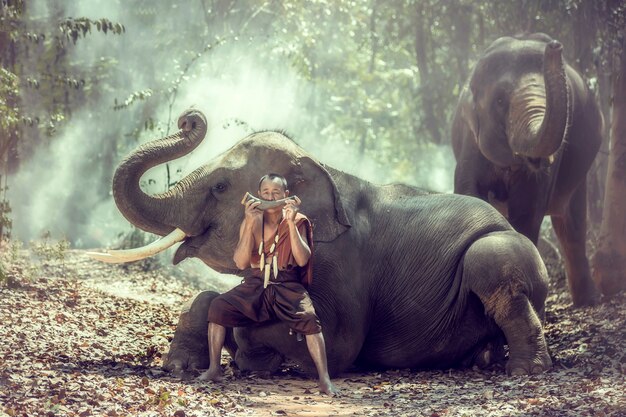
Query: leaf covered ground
x=79 y=338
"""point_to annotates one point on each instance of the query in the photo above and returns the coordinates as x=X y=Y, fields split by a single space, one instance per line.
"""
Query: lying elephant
x=525 y=133
x=402 y=278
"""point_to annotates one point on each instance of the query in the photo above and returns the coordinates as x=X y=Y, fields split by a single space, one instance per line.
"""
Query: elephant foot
x=536 y=365
x=608 y=271
x=528 y=350
x=180 y=360
x=585 y=295
x=528 y=353
x=613 y=286
x=585 y=300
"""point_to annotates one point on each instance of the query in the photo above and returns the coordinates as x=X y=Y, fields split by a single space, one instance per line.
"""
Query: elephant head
x=203 y=209
x=518 y=102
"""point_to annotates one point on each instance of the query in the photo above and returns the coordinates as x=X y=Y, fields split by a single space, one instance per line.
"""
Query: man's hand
x=299 y=245
x=252 y=213
x=253 y=217
x=292 y=207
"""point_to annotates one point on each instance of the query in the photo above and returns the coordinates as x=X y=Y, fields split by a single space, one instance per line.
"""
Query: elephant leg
x=571 y=230
x=472 y=172
x=507 y=274
x=526 y=209
x=189 y=349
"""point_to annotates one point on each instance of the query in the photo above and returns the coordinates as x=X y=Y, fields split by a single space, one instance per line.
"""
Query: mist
x=60 y=190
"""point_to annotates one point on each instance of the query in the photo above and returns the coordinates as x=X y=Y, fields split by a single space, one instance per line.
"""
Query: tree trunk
x=9 y=157
x=610 y=259
x=596 y=178
x=371 y=69
x=461 y=35
x=585 y=37
x=427 y=84
x=584 y=59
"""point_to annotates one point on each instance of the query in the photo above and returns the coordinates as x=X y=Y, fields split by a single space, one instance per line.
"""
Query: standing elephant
x=402 y=278
x=525 y=133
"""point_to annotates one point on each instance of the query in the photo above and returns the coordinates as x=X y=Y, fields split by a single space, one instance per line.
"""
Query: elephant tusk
x=130 y=255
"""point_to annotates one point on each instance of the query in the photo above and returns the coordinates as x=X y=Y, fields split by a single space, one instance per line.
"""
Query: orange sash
x=283 y=248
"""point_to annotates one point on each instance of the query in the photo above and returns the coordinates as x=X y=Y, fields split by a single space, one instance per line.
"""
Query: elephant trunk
x=544 y=104
x=157 y=213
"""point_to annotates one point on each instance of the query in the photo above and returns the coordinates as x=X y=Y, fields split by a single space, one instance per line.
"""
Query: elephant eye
x=501 y=103
x=501 y=97
x=220 y=187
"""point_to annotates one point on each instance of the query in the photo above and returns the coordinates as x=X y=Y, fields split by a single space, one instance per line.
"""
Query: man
x=276 y=243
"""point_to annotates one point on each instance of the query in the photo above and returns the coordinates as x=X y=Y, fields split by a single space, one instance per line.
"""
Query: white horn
x=129 y=255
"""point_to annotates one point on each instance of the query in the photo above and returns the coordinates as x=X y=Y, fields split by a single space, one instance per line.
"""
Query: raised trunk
x=544 y=106
x=157 y=213
x=610 y=259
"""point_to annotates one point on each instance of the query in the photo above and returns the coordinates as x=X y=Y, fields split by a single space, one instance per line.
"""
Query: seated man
x=276 y=243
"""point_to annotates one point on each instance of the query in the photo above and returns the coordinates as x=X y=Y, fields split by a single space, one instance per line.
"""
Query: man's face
x=272 y=189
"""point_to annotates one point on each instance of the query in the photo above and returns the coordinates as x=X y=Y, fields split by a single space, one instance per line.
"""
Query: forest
x=369 y=87
x=375 y=80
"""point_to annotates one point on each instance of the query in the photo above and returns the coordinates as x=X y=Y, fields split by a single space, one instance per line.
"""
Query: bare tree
x=610 y=258
x=423 y=61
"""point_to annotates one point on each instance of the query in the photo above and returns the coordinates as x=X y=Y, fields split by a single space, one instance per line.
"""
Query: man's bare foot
x=212 y=374
x=328 y=388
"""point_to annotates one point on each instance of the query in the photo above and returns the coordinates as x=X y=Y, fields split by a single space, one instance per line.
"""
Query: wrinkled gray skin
x=525 y=133
x=402 y=278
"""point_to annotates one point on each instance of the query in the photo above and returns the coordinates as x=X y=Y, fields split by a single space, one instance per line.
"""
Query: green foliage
x=4 y=275
x=5 y=213
x=15 y=247
x=50 y=250
x=39 y=86
x=10 y=276
x=6 y=223
x=11 y=273
x=5 y=219
x=9 y=91
x=384 y=75
x=75 y=28
x=363 y=57
x=133 y=97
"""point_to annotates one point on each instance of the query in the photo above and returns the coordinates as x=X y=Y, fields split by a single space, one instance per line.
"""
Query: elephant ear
x=468 y=112
x=321 y=201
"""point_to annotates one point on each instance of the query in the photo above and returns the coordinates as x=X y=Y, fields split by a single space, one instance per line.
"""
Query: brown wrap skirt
x=284 y=299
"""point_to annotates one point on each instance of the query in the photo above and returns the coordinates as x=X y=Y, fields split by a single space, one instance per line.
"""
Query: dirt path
x=82 y=338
